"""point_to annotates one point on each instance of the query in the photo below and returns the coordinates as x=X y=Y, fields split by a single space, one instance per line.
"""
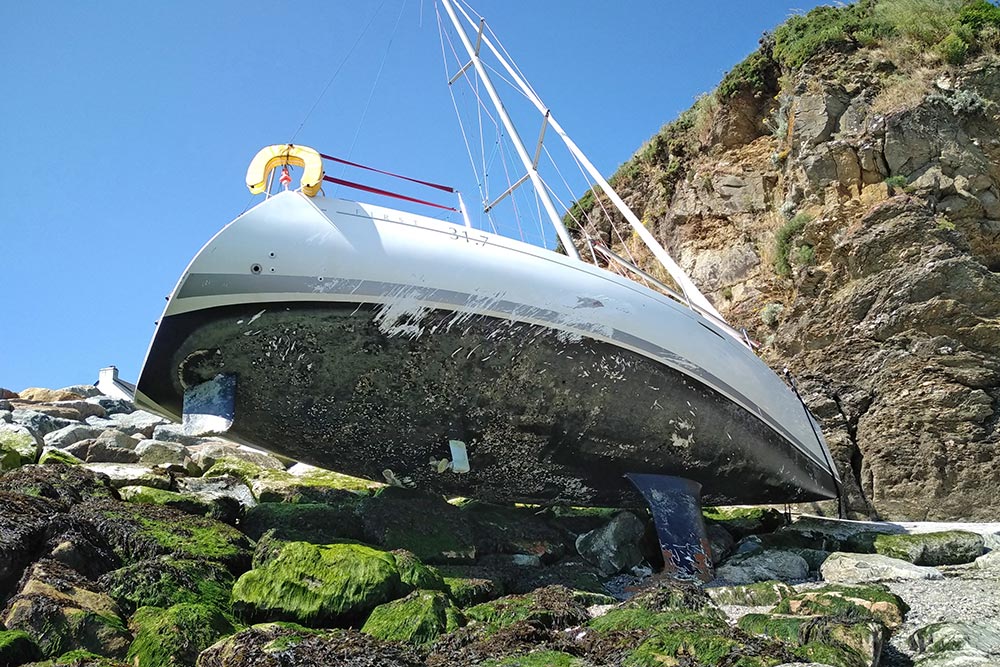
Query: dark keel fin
x=209 y=407
x=676 y=506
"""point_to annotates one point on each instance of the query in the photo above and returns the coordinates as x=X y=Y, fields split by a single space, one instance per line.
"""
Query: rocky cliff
x=839 y=196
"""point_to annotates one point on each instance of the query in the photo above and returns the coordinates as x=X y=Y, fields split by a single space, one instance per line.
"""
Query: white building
x=111 y=385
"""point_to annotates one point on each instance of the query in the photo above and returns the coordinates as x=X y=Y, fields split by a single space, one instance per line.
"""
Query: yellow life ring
x=270 y=157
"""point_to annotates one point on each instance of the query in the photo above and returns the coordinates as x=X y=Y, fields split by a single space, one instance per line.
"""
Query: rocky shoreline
x=124 y=541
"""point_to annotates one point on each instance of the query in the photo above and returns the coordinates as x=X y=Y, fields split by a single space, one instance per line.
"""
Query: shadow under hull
x=546 y=417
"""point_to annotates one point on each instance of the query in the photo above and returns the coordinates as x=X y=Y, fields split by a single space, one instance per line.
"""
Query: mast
x=692 y=294
x=530 y=165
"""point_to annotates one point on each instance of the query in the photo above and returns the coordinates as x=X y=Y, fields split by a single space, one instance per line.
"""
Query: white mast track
x=696 y=300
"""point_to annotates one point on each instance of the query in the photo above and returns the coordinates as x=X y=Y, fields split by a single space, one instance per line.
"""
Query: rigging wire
x=336 y=72
x=378 y=76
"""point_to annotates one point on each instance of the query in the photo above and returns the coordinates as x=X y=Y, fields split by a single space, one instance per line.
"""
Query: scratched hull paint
x=364 y=339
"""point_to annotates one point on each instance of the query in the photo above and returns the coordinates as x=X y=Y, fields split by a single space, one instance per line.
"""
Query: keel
x=676 y=506
x=210 y=407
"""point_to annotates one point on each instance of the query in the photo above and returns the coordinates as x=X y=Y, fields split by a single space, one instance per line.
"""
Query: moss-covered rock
x=176 y=635
x=950 y=547
x=317 y=585
x=754 y=595
x=550 y=607
x=138 y=532
x=81 y=658
x=278 y=486
x=861 y=603
x=468 y=591
x=415 y=575
x=18 y=446
x=63 y=611
x=743 y=521
x=836 y=642
x=434 y=530
x=51 y=455
x=514 y=530
x=179 y=501
x=17 y=647
x=166 y=581
x=319 y=523
x=419 y=618
x=289 y=644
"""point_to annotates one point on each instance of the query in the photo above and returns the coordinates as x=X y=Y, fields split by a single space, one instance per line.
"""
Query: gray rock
x=848 y=568
x=988 y=561
x=113 y=406
x=955 y=659
x=156 y=452
x=137 y=422
x=175 y=433
x=815 y=118
x=983 y=637
x=206 y=453
x=85 y=390
x=6 y=416
x=951 y=547
x=116 y=438
x=103 y=423
x=614 y=547
x=764 y=566
x=217 y=489
x=991 y=541
x=101 y=451
x=5 y=405
x=85 y=408
x=39 y=422
x=721 y=542
x=68 y=435
x=131 y=474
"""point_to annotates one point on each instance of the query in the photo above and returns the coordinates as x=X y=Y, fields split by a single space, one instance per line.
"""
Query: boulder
x=159 y=452
x=304 y=646
x=862 y=603
x=23 y=524
x=849 y=568
x=419 y=618
x=206 y=452
x=7 y=394
x=180 y=501
x=82 y=390
x=165 y=581
x=66 y=436
x=51 y=455
x=469 y=591
x=763 y=593
x=139 y=532
x=316 y=486
x=425 y=524
x=39 y=422
x=137 y=422
x=47 y=395
x=66 y=484
x=742 y=521
x=17 y=648
x=319 y=523
x=131 y=474
x=550 y=607
x=228 y=496
x=346 y=581
x=414 y=575
x=18 y=446
x=764 y=566
x=951 y=547
x=64 y=611
x=101 y=451
x=988 y=561
x=982 y=637
x=83 y=408
x=112 y=406
x=176 y=635
x=614 y=547
x=721 y=542
x=514 y=530
x=838 y=641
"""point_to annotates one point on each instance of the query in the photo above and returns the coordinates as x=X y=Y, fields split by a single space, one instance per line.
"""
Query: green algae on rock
x=551 y=607
x=68 y=484
x=319 y=523
x=873 y=602
x=279 y=486
x=468 y=591
x=179 y=501
x=419 y=618
x=166 y=581
x=317 y=584
x=51 y=456
x=138 y=532
x=18 y=446
x=743 y=521
x=81 y=658
x=757 y=595
x=537 y=659
x=425 y=524
x=832 y=640
x=951 y=547
x=176 y=635
x=17 y=647
x=415 y=575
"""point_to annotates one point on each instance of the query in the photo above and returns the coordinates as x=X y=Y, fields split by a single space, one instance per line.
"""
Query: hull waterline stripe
x=223 y=285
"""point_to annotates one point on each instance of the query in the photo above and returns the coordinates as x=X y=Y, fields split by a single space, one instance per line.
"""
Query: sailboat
x=434 y=355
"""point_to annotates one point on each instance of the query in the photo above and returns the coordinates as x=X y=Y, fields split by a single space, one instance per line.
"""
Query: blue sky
x=126 y=129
